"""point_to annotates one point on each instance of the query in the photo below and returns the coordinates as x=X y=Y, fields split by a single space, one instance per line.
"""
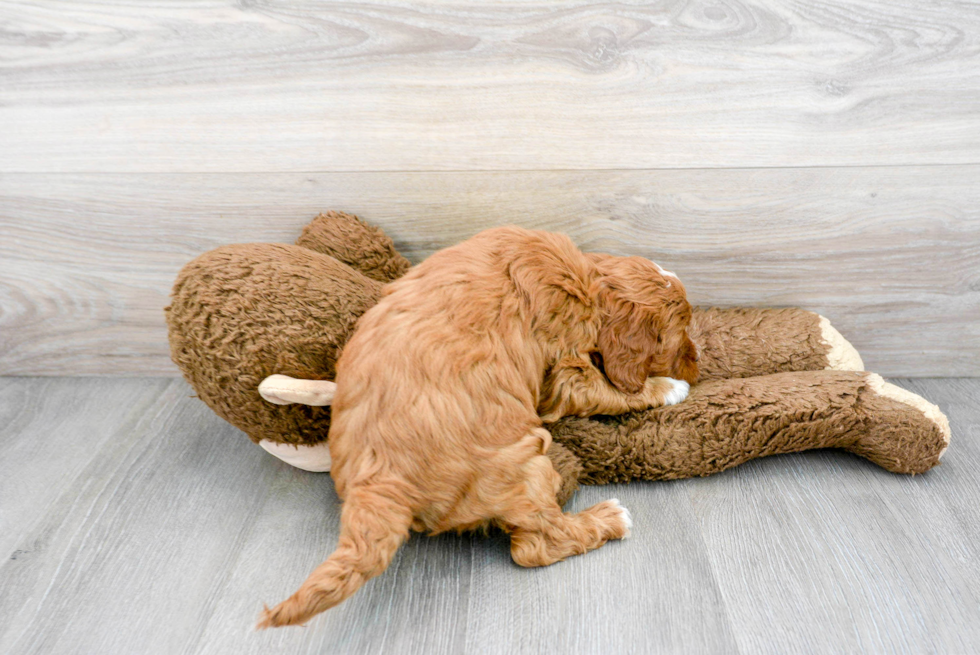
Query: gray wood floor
x=133 y=520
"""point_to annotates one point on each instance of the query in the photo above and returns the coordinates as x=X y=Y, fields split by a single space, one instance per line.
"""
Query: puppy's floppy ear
x=626 y=340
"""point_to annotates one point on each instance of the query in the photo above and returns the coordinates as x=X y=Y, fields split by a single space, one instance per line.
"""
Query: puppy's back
x=444 y=363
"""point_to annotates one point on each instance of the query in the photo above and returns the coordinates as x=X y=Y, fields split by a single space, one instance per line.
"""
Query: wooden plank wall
x=821 y=154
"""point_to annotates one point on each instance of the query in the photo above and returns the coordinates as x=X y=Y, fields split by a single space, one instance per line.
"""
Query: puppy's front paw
x=679 y=391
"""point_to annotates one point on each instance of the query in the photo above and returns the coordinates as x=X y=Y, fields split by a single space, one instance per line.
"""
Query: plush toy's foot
x=841 y=355
x=906 y=433
x=747 y=342
x=314 y=458
x=284 y=390
x=726 y=422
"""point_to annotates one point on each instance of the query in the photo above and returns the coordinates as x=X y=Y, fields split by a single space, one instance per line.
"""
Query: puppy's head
x=644 y=318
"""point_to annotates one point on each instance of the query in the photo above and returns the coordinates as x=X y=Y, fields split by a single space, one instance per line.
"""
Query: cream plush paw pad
x=842 y=356
x=314 y=458
x=284 y=390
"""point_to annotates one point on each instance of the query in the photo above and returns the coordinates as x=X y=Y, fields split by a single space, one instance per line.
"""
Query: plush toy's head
x=243 y=312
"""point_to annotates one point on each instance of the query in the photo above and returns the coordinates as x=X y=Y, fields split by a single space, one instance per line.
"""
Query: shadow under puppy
x=444 y=386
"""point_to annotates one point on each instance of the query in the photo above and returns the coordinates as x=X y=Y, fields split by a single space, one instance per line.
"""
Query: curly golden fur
x=445 y=385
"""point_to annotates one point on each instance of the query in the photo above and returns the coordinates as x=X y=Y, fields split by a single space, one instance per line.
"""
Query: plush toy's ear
x=284 y=390
x=363 y=247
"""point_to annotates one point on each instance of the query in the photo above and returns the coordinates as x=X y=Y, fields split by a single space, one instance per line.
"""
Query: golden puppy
x=444 y=387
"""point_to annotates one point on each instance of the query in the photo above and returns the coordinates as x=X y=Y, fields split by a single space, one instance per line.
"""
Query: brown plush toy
x=257 y=330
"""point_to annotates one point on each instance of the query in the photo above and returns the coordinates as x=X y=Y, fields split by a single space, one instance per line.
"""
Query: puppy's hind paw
x=678 y=392
x=624 y=516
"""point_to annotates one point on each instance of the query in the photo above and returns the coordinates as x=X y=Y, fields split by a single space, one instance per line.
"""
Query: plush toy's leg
x=348 y=239
x=739 y=342
x=745 y=342
x=726 y=422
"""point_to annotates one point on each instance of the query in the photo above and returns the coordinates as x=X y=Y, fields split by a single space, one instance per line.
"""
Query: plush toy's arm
x=745 y=342
x=580 y=389
x=726 y=422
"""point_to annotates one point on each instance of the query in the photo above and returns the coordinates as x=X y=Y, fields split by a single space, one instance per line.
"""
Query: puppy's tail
x=373 y=526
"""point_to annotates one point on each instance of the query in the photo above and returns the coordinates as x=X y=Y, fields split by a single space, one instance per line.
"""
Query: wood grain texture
x=651 y=593
x=303 y=85
x=845 y=557
x=51 y=430
x=889 y=254
x=175 y=529
x=129 y=555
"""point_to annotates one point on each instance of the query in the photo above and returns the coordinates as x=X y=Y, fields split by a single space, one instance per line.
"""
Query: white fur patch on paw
x=309 y=458
x=625 y=515
x=842 y=355
x=932 y=412
x=284 y=390
x=678 y=392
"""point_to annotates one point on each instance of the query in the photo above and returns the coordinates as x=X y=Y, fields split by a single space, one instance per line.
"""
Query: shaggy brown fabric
x=348 y=239
x=724 y=423
x=243 y=312
x=240 y=313
x=741 y=343
x=568 y=466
